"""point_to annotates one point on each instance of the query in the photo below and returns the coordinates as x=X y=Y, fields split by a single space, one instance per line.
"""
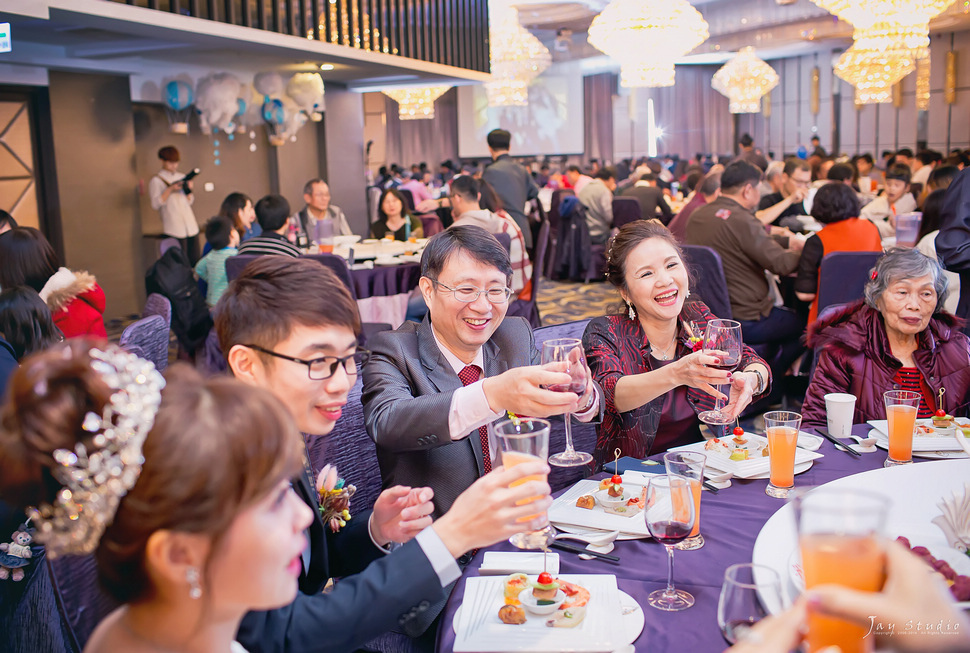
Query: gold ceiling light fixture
x=745 y=79
x=923 y=83
x=416 y=103
x=873 y=74
x=646 y=37
x=517 y=57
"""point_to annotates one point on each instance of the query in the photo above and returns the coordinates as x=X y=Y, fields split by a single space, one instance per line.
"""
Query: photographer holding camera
x=171 y=195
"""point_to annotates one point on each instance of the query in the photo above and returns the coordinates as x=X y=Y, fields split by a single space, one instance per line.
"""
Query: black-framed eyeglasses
x=324 y=367
x=469 y=294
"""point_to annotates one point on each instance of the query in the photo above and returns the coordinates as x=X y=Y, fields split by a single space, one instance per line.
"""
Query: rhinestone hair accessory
x=93 y=483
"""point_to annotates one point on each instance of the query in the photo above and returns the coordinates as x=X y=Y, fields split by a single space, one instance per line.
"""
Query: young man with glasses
x=780 y=208
x=291 y=327
x=431 y=388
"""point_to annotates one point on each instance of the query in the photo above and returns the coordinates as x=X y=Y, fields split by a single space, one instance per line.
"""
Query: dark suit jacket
x=651 y=198
x=408 y=386
x=403 y=583
x=514 y=186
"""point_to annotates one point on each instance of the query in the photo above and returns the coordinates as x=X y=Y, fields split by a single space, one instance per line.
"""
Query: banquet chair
x=554 y=218
x=825 y=314
x=505 y=240
x=148 y=338
x=167 y=244
x=83 y=603
x=711 y=285
x=158 y=305
x=625 y=210
x=431 y=224
x=373 y=198
x=529 y=308
x=842 y=277
x=408 y=198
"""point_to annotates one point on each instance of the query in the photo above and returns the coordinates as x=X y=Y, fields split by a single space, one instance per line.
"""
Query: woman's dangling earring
x=192 y=577
x=631 y=312
x=687 y=295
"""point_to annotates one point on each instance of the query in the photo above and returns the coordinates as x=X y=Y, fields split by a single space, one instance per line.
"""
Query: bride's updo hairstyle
x=215 y=447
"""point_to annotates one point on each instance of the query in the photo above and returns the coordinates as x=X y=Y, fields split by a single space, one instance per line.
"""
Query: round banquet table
x=730 y=523
x=382 y=292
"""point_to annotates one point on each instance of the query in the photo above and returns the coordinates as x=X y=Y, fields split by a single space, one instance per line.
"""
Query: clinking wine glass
x=669 y=515
x=722 y=339
x=569 y=351
x=747 y=596
x=690 y=466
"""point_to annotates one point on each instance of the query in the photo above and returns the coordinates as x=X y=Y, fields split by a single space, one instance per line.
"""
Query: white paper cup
x=839 y=409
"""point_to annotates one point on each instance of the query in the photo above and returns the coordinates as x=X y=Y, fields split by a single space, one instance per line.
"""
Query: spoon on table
x=866 y=445
x=720 y=481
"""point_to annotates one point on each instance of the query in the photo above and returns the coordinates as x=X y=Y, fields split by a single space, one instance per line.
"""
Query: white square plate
x=564 y=511
x=920 y=442
x=480 y=630
x=750 y=468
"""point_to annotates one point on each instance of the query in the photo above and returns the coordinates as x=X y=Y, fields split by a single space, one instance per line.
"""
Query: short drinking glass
x=901 y=409
x=690 y=466
x=781 y=427
x=748 y=595
x=523 y=440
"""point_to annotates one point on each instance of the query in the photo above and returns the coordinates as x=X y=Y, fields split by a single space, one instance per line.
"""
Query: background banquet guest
x=929 y=229
x=575 y=178
x=953 y=241
x=393 y=217
x=25 y=322
x=780 y=208
x=75 y=299
x=170 y=534
x=511 y=180
x=651 y=198
x=896 y=200
x=868 y=173
x=414 y=182
x=7 y=222
x=222 y=238
x=597 y=198
x=173 y=200
x=302 y=347
x=475 y=202
x=316 y=195
x=707 y=190
x=898 y=338
x=431 y=388
x=272 y=213
x=653 y=382
x=837 y=207
x=728 y=226
x=239 y=208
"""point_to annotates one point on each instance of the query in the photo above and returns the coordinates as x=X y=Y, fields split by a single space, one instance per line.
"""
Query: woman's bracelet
x=762 y=382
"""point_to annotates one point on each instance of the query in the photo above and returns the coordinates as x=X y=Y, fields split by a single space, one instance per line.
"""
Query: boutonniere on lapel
x=335 y=496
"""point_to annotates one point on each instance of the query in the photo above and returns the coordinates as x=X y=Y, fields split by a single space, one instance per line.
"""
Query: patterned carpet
x=561 y=302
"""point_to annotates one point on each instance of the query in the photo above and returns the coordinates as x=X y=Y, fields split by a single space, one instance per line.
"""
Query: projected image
x=552 y=123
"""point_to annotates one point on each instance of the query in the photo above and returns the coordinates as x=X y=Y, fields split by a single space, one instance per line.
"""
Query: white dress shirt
x=178 y=220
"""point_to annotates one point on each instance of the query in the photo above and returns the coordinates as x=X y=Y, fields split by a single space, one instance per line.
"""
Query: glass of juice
x=839 y=535
x=689 y=465
x=901 y=409
x=521 y=440
x=781 y=427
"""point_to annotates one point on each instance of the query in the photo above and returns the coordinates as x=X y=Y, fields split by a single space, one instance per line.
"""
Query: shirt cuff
x=593 y=409
x=442 y=562
x=469 y=410
x=391 y=546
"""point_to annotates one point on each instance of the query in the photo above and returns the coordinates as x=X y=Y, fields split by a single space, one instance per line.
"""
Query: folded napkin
x=511 y=562
x=955 y=520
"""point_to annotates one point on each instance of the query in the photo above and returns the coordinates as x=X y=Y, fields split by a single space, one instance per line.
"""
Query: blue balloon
x=216 y=142
x=231 y=137
x=242 y=107
x=802 y=152
x=215 y=153
x=217 y=162
x=178 y=95
x=273 y=112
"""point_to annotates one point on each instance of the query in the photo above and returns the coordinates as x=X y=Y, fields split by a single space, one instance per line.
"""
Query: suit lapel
x=439 y=371
x=312 y=579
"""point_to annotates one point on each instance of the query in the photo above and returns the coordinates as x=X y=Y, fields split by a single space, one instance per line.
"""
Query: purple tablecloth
x=386 y=280
x=730 y=523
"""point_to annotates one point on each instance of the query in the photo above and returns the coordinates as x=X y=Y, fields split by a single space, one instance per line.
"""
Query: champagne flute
x=568 y=351
x=722 y=339
x=669 y=515
x=747 y=595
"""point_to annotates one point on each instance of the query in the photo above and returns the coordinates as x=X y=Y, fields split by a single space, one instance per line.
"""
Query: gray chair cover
x=148 y=338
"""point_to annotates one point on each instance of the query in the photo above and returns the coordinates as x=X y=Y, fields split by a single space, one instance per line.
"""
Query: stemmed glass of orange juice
x=901 y=409
x=839 y=536
x=689 y=465
x=522 y=440
x=781 y=427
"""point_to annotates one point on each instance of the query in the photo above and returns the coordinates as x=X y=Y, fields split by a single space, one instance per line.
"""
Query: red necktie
x=468 y=375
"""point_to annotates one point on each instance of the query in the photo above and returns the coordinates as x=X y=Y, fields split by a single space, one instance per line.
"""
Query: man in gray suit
x=511 y=181
x=425 y=404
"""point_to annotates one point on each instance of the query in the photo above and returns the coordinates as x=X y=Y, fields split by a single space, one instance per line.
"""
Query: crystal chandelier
x=872 y=73
x=744 y=80
x=923 y=83
x=416 y=103
x=646 y=37
x=517 y=57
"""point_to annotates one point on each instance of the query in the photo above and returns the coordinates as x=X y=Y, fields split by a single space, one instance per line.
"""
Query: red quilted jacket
x=76 y=302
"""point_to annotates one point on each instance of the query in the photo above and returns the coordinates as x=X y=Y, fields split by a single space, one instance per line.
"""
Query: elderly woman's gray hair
x=905 y=263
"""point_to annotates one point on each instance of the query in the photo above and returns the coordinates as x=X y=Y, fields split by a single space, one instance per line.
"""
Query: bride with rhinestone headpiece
x=178 y=486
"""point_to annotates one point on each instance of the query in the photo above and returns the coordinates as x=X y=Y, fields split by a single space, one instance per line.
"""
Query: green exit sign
x=5 y=45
